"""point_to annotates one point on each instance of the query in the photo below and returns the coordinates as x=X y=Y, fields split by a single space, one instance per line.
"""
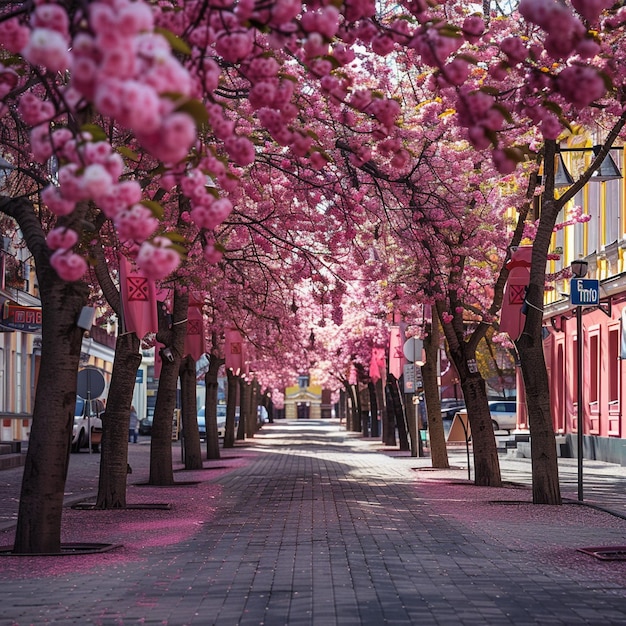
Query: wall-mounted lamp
x=608 y=169
x=167 y=354
x=562 y=177
x=85 y=319
x=579 y=268
x=557 y=323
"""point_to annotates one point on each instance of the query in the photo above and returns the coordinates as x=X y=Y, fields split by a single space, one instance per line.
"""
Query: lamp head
x=579 y=268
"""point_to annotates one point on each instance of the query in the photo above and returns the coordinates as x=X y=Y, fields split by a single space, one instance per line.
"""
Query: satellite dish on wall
x=90 y=383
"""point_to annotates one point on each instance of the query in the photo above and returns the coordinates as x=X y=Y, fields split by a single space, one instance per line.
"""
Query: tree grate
x=606 y=553
x=67 y=549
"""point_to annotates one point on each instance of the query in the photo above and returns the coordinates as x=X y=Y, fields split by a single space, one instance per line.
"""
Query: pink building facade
x=602 y=375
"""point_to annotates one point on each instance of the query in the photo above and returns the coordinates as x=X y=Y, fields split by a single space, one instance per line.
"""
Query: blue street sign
x=584 y=292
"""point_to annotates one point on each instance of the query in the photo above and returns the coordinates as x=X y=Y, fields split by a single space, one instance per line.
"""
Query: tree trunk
x=365 y=413
x=371 y=389
x=244 y=408
x=413 y=426
x=253 y=403
x=486 y=461
x=191 y=436
x=114 y=457
x=241 y=426
x=389 y=422
x=398 y=411
x=358 y=411
x=546 y=489
x=210 y=408
x=47 y=459
x=436 y=434
x=545 y=471
x=231 y=405
x=161 y=470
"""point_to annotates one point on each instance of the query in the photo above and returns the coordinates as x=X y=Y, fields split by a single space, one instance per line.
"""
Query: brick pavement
x=318 y=526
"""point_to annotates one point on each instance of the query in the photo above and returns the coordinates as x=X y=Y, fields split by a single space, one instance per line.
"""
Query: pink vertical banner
x=234 y=351
x=396 y=354
x=138 y=295
x=194 y=339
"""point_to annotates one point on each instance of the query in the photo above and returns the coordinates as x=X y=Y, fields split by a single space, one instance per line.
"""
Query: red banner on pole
x=138 y=300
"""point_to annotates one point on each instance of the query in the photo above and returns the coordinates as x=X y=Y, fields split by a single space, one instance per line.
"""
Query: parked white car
x=87 y=415
x=221 y=421
x=503 y=414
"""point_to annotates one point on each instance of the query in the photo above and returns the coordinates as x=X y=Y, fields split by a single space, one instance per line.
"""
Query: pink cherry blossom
x=96 y=181
x=240 y=150
x=35 y=111
x=52 y=198
x=591 y=9
x=137 y=223
x=157 y=259
x=14 y=35
x=580 y=85
x=473 y=27
x=212 y=215
x=62 y=238
x=51 y=16
x=235 y=46
x=68 y=265
x=40 y=143
x=47 y=48
x=212 y=254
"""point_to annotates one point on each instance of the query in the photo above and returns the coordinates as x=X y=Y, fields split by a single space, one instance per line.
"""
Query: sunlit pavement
x=308 y=524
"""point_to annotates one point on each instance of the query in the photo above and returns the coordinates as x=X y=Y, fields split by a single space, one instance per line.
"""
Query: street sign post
x=585 y=292
x=412 y=349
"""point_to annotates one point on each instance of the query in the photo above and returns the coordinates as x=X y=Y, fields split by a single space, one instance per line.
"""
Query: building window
x=594 y=357
x=303 y=382
x=614 y=365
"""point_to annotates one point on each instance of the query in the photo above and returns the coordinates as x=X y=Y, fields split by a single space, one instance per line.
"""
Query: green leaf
x=96 y=132
x=469 y=58
x=129 y=154
x=176 y=237
x=196 y=110
x=155 y=207
x=175 y=42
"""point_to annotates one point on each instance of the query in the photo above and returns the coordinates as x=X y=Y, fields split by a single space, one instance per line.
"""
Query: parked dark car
x=450 y=407
x=145 y=426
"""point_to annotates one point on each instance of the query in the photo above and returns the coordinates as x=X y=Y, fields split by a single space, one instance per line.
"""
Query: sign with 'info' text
x=584 y=292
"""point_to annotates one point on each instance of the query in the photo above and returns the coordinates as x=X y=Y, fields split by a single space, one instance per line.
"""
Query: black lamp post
x=579 y=270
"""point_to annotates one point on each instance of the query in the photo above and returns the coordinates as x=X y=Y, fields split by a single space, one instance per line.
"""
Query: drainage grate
x=68 y=549
x=606 y=553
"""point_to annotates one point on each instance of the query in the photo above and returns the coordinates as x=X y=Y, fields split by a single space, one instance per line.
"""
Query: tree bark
x=161 y=470
x=241 y=426
x=211 y=386
x=231 y=405
x=114 y=457
x=412 y=425
x=389 y=422
x=190 y=433
x=358 y=411
x=374 y=429
x=398 y=411
x=436 y=435
x=47 y=459
x=463 y=355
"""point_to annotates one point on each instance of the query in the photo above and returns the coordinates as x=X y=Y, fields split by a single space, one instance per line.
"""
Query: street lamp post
x=579 y=270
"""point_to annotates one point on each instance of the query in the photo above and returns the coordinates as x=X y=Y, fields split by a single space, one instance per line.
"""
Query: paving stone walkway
x=317 y=526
